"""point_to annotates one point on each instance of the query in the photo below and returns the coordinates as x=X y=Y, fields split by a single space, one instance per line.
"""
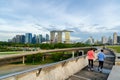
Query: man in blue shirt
x=101 y=58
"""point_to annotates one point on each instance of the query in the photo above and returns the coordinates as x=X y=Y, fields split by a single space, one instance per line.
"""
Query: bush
x=36 y=58
x=57 y=56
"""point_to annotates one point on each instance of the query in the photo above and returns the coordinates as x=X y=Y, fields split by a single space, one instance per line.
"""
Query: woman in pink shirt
x=90 y=56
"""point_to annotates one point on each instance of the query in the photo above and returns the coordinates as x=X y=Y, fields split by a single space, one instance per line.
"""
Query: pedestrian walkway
x=84 y=74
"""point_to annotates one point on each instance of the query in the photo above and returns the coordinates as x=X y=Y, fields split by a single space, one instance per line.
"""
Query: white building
x=114 y=38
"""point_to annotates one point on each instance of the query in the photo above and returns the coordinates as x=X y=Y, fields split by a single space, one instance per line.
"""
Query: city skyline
x=30 y=38
x=84 y=17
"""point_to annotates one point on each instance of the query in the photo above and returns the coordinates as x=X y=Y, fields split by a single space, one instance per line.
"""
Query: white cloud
x=23 y=15
x=109 y=15
x=2 y=21
x=75 y=38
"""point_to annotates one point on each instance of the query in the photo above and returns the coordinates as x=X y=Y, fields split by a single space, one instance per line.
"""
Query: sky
x=85 y=18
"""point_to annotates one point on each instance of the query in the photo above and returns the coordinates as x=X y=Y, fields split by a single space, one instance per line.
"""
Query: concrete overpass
x=71 y=69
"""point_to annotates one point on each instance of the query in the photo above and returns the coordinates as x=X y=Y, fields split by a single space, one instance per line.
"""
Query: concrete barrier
x=56 y=71
x=115 y=73
x=117 y=59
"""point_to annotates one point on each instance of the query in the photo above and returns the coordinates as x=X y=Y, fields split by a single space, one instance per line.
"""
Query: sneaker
x=100 y=70
x=88 y=69
x=92 y=69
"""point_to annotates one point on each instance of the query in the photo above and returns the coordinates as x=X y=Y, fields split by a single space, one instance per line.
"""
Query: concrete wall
x=58 y=71
x=117 y=59
x=115 y=72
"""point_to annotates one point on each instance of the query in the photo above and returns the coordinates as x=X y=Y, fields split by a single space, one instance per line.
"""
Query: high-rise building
x=43 y=40
x=114 y=38
x=118 y=39
x=22 y=39
x=34 y=39
x=13 y=40
x=109 y=40
x=47 y=37
x=28 y=38
x=104 y=40
x=67 y=37
x=18 y=38
x=56 y=38
x=40 y=38
x=52 y=36
x=59 y=37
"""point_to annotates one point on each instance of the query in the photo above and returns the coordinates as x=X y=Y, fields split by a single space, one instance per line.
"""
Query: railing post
x=43 y=57
x=73 y=54
x=23 y=61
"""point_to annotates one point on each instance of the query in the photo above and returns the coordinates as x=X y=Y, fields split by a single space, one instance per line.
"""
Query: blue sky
x=85 y=17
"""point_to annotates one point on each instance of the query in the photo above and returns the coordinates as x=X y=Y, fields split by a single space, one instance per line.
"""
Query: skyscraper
x=104 y=40
x=22 y=38
x=109 y=40
x=59 y=37
x=34 y=39
x=118 y=39
x=18 y=38
x=28 y=38
x=114 y=38
x=47 y=37
x=67 y=36
x=52 y=36
x=40 y=38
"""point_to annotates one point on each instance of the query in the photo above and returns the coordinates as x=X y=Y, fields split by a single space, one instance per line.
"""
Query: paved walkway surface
x=84 y=74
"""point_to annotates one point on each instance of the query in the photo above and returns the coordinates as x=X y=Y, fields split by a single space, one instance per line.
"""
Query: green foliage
x=36 y=58
x=80 y=44
x=115 y=48
x=58 y=56
x=46 y=61
x=8 y=46
x=62 y=45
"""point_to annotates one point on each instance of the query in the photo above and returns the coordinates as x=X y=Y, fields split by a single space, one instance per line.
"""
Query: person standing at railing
x=90 y=56
x=101 y=57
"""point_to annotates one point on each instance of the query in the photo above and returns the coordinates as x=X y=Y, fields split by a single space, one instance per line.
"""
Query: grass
x=12 y=52
x=115 y=48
